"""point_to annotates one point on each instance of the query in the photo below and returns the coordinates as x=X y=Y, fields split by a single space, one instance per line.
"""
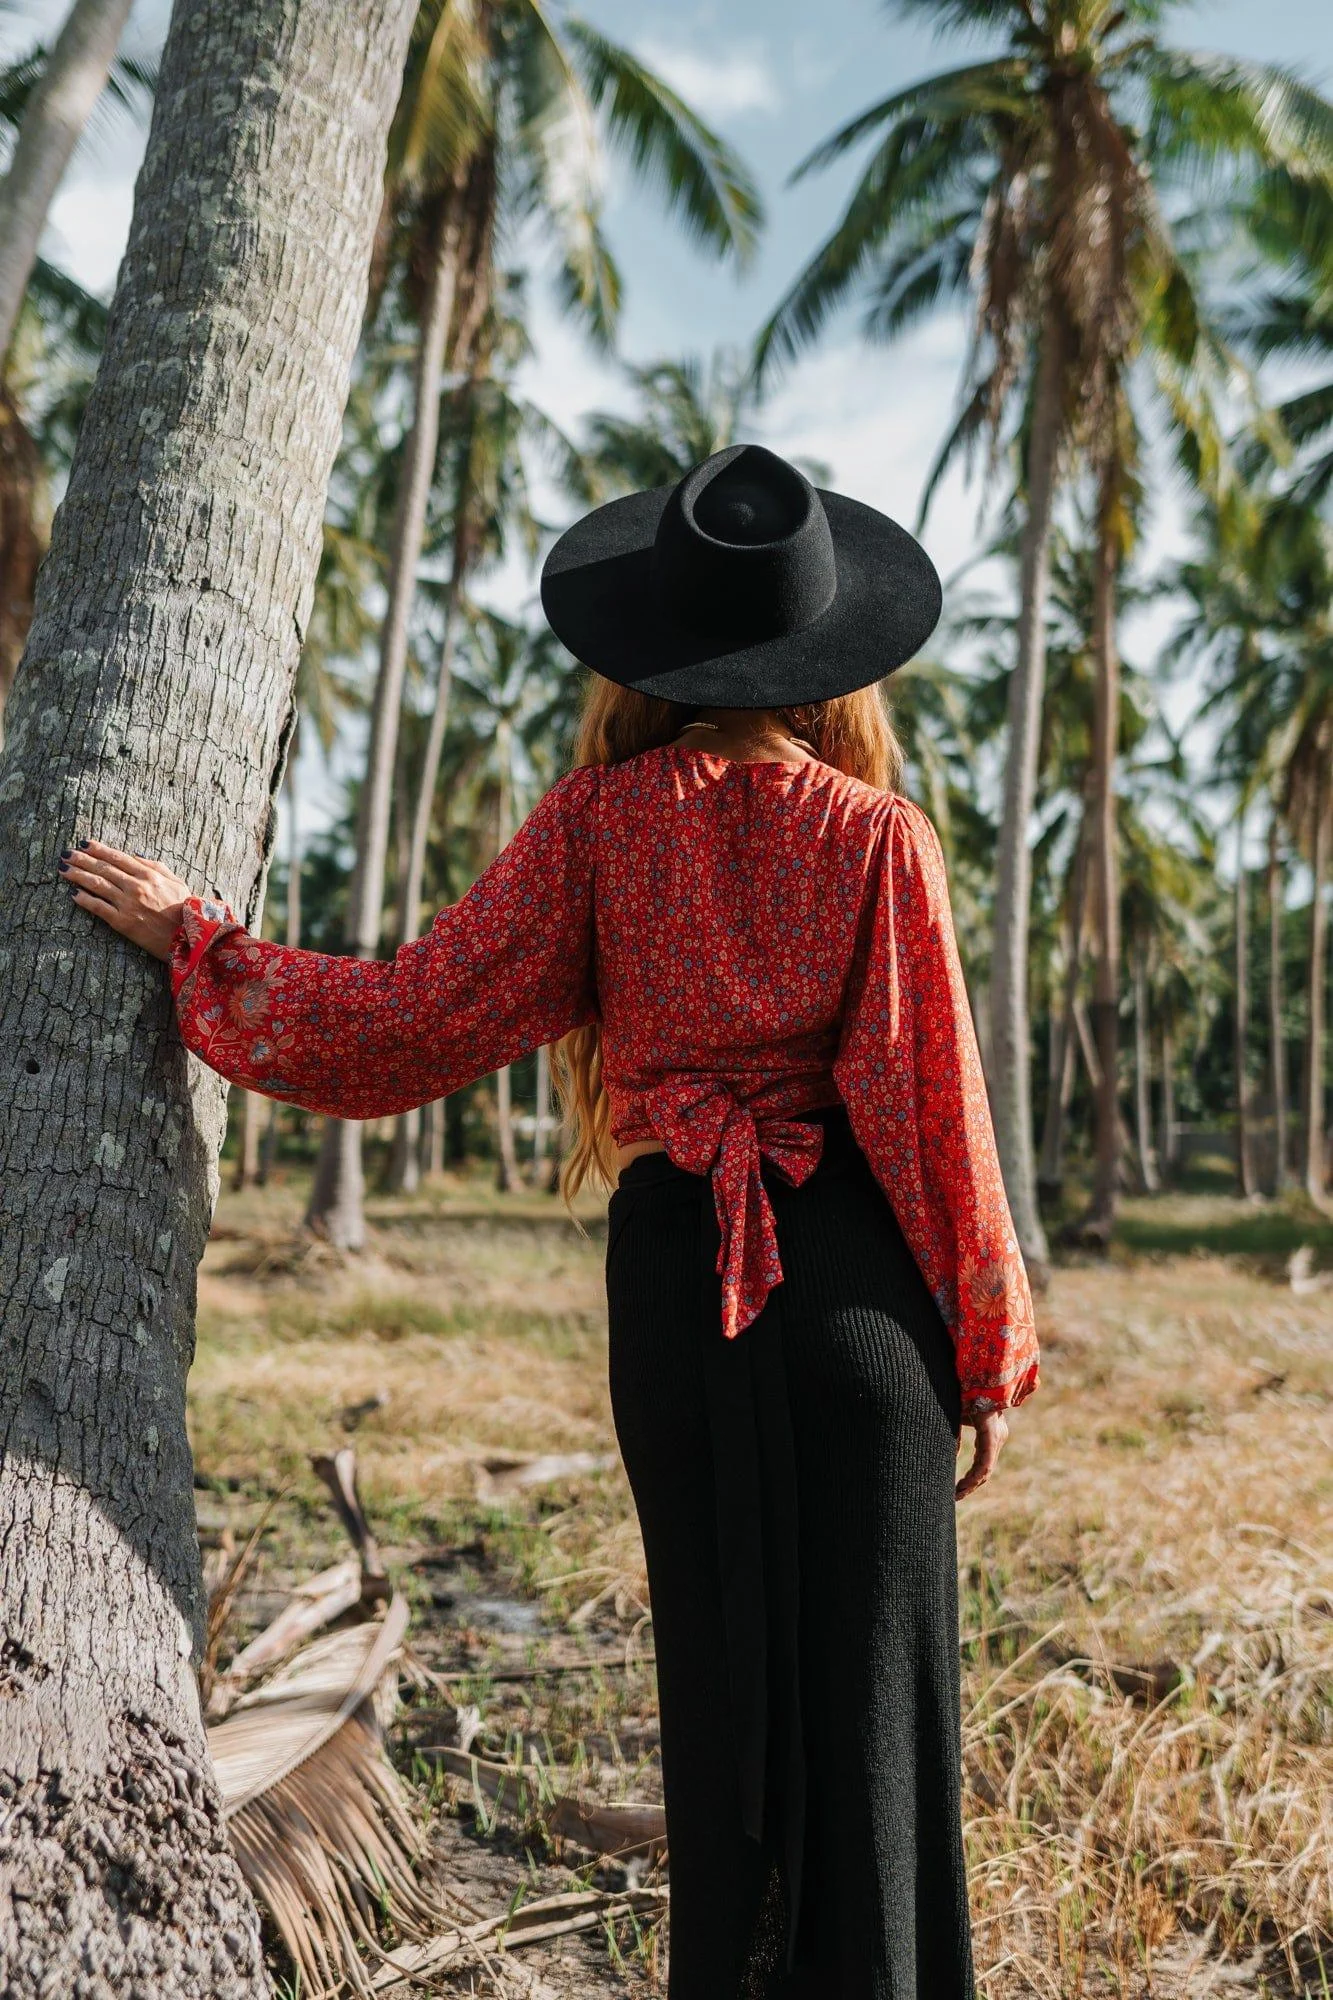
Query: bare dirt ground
x=1147 y=1585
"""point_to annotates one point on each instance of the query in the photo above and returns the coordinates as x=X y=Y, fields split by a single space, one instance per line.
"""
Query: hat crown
x=744 y=548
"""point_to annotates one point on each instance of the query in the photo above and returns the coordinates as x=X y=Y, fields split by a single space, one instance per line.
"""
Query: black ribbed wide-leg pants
x=874 y=1410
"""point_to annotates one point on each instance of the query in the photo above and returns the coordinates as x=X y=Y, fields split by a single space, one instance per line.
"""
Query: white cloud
x=875 y=417
x=722 y=84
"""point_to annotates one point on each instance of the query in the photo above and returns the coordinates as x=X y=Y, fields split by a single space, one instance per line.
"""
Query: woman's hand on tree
x=139 y=898
x=991 y=1431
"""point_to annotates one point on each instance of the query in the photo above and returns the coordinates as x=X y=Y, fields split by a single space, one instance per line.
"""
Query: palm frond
x=992 y=85
x=444 y=108
x=1208 y=111
x=316 y=1813
x=701 y=179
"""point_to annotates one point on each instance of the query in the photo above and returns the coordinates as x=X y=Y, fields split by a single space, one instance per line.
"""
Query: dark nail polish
x=83 y=843
x=63 y=866
x=64 y=854
x=74 y=895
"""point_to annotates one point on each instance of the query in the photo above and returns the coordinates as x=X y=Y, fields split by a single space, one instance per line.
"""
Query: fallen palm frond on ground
x=316 y=1813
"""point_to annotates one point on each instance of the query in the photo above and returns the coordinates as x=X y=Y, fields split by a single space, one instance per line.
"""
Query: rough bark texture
x=336 y=1198
x=153 y=707
x=1277 y=1044
x=53 y=121
x=1010 y=1077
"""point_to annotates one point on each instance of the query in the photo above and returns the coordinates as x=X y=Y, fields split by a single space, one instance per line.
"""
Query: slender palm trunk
x=405 y=1172
x=336 y=1203
x=1170 y=1146
x=508 y=1176
x=153 y=707
x=1010 y=1076
x=53 y=122
x=246 y=1170
x=1322 y=837
x=268 y=1151
x=21 y=482
x=541 y=1131
x=1064 y=1048
x=1143 y=1076
x=1105 y=872
x=1245 y=1183
x=1277 y=1046
x=431 y=1144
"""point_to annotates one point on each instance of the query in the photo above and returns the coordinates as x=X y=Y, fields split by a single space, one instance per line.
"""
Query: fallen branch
x=499 y=1474
x=612 y=1663
x=547 y=1917
x=617 y=1831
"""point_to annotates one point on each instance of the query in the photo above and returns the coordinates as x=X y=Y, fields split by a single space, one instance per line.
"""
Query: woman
x=740 y=935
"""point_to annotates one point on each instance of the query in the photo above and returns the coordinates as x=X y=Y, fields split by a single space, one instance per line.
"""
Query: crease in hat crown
x=752 y=587
x=740 y=586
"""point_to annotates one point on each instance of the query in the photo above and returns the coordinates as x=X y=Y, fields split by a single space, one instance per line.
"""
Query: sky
x=775 y=78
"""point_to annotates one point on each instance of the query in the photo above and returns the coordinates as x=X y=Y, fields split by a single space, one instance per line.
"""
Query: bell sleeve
x=909 y=1072
x=504 y=970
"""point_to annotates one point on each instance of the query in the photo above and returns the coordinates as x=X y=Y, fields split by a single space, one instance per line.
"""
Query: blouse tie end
x=710 y=1131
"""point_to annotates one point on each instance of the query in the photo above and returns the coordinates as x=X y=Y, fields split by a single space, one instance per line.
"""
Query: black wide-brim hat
x=742 y=587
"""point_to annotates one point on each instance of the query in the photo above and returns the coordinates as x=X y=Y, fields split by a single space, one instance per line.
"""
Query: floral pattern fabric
x=755 y=940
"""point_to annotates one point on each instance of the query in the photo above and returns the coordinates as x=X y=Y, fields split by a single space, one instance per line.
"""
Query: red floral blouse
x=755 y=939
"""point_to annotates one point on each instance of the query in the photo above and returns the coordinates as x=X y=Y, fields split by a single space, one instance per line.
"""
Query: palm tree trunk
x=246 y=1171
x=1106 y=884
x=1010 y=1077
x=1170 y=1146
x=1064 y=1051
x=1322 y=834
x=1143 y=1076
x=1244 y=1148
x=292 y=931
x=405 y=1172
x=21 y=481
x=335 y=1209
x=508 y=1178
x=53 y=122
x=1277 y=1047
x=152 y=707
x=432 y=1138
x=541 y=1131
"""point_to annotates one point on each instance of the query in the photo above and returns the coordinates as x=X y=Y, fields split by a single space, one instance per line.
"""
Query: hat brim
x=598 y=595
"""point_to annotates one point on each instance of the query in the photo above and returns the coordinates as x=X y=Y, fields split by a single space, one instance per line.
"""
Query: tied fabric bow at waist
x=706 y=1129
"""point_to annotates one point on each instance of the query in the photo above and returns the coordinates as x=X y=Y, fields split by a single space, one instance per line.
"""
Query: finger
x=983 y=1463
x=107 y=873
x=136 y=866
x=96 y=906
x=98 y=878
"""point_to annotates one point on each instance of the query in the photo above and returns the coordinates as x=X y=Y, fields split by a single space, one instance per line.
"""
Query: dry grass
x=1165 y=1505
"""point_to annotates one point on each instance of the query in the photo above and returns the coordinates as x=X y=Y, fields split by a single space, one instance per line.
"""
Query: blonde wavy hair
x=852 y=733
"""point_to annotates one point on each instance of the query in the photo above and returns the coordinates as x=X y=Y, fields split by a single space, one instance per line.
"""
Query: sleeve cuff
x=983 y=1399
x=202 y=922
